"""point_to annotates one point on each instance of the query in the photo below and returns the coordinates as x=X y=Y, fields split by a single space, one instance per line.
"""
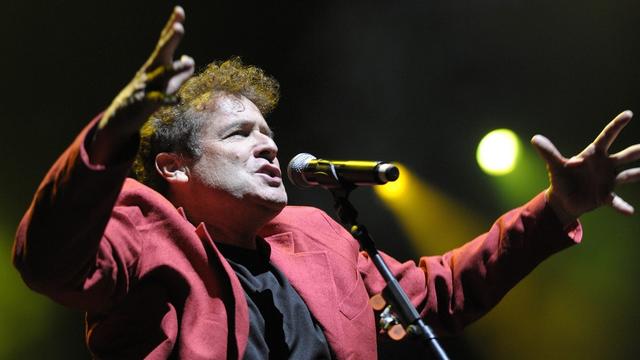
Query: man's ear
x=172 y=167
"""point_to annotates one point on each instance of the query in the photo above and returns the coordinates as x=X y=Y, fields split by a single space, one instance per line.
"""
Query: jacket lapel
x=241 y=315
x=310 y=274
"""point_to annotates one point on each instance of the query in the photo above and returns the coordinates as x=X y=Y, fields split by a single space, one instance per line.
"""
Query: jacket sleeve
x=456 y=288
x=61 y=247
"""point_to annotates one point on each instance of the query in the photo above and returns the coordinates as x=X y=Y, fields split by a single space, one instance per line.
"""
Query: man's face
x=238 y=159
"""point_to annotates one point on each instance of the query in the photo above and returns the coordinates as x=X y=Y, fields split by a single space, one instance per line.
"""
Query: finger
x=630 y=154
x=548 y=151
x=168 y=44
x=183 y=69
x=170 y=37
x=611 y=131
x=161 y=98
x=157 y=73
x=176 y=16
x=185 y=64
x=574 y=161
x=628 y=176
x=620 y=205
x=173 y=74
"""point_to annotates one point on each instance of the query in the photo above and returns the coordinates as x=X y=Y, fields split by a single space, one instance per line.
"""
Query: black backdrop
x=414 y=81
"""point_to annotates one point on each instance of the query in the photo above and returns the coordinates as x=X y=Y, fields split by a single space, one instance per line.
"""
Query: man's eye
x=238 y=133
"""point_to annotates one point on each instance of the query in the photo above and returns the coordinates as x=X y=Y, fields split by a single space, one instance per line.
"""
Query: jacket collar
x=309 y=272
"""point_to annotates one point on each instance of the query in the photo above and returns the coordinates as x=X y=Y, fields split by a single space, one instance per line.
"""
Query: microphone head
x=388 y=172
x=296 y=167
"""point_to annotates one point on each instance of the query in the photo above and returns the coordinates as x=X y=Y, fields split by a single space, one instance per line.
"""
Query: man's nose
x=266 y=148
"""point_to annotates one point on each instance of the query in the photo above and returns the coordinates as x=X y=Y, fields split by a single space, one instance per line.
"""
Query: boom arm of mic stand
x=407 y=313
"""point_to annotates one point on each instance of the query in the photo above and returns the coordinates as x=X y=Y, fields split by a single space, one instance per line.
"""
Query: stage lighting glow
x=498 y=151
x=394 y=189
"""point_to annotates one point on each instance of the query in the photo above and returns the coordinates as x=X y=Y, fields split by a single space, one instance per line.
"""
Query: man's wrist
x=105 y=147
x=566 y=218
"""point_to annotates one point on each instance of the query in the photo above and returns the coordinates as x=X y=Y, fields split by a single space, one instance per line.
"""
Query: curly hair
x=176 y=128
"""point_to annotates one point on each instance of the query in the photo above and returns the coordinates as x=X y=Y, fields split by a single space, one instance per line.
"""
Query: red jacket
x=154 y=285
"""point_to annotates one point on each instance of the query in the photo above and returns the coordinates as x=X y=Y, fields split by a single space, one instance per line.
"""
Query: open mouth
x=270 y=170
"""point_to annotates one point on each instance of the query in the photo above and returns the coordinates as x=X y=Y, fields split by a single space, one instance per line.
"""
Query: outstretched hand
x=586 y=181
x=152 y=87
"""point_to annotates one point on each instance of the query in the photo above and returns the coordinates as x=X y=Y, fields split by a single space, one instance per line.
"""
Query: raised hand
x=152 y=86
x=587 y=180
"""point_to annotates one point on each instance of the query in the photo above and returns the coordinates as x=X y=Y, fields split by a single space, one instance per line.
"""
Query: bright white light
x=498 y=151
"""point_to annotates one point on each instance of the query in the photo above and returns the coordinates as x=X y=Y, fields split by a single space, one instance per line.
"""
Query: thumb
x=547 y=151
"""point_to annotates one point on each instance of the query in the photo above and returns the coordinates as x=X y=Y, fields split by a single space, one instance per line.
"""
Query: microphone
x=305 y=171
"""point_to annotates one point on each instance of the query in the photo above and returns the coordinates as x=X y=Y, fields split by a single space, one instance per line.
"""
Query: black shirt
x=280 y=324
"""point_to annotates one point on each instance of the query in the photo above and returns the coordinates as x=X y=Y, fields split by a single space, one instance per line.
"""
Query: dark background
x=419 y=82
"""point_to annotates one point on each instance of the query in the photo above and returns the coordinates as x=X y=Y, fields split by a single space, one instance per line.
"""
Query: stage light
x=498 y=151
x=433 y=221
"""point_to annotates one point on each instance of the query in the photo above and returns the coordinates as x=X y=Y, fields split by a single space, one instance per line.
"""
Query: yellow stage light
x=498 y=151
x=433 y=221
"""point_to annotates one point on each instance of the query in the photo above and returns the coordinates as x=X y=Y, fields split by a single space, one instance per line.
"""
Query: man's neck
x=236 y=237
x=238 y=227
x=229 y=221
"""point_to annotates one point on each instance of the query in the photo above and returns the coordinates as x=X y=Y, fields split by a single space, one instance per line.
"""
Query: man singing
x=202 y=259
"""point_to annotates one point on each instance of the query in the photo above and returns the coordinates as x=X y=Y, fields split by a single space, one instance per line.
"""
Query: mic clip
x=327 y=176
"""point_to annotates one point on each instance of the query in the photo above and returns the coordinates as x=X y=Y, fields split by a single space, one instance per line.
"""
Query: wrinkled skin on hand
x=587 y=180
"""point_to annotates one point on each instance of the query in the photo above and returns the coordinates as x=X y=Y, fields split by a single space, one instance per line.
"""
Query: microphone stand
x=407 y=313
